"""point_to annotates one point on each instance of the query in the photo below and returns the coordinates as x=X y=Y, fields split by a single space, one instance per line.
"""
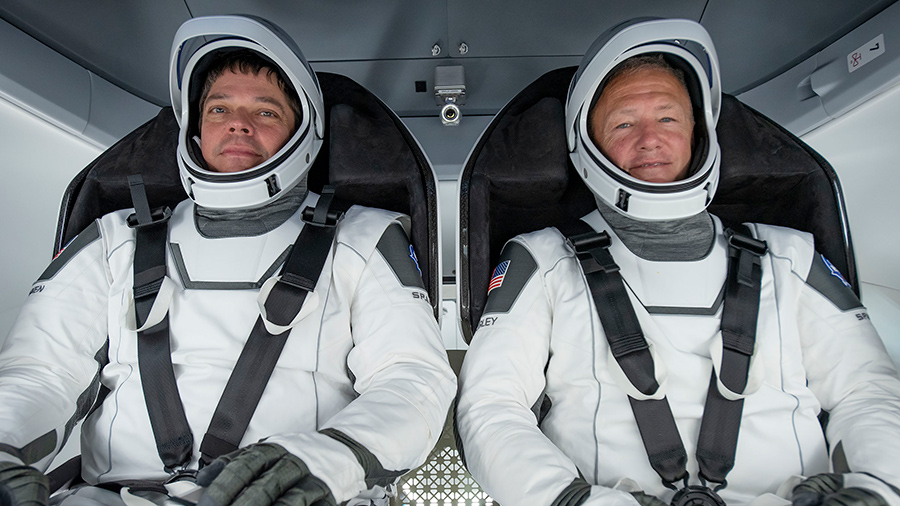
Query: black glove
x=22 y=486
x=648 y=500
x=827 y=489
x=261 y=475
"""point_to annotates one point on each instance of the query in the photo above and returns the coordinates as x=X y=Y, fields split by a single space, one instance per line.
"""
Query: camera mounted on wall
x=450 y=92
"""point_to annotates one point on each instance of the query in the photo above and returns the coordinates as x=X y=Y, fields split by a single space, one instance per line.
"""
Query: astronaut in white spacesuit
x=599 y=356
x=361 y=388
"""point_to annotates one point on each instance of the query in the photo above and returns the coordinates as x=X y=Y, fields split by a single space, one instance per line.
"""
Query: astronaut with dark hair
x=310 y=387
x=646 y=355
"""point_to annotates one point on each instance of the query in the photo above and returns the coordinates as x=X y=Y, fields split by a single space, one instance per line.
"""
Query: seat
x=518 y=178
x=385 y=168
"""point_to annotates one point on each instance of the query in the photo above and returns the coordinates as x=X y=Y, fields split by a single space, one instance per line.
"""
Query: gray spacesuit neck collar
x=681 y=240
x=221 y=223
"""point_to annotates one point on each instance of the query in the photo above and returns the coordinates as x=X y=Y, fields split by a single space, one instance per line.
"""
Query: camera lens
x=450 y=114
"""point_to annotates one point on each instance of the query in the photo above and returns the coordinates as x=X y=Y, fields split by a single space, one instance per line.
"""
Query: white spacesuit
x=545 y=409
x=363 y=356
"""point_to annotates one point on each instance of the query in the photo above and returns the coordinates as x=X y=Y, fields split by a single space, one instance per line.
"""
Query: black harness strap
x=170 y=427
x=721 y=421
x=254 y=367
x=630 y=349
x=261 y=352
x=721 y=417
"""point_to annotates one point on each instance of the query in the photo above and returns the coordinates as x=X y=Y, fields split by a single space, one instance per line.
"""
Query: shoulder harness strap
x=630 y=349
x=254 y=367
x=721 y=421
x=257 y=361
x=716 y=445
x=170 y=427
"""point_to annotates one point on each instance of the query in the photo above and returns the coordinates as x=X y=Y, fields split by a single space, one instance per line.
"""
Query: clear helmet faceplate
x=259 y=185
x=686 y=45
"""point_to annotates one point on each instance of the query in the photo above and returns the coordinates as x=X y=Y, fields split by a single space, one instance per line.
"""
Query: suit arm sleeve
x=501 y=381
x=404 y=382
x=50 y=362
x=850 y=372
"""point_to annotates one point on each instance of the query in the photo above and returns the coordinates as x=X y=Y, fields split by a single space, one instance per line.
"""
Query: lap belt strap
x=257 y=360
x=656 y=424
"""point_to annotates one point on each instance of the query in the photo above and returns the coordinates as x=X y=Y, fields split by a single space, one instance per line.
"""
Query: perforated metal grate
x=442 y=480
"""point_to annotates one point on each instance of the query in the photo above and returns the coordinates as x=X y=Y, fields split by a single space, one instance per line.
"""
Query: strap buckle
x=748 y=252
x=589 y=240
x=329 y=219
x=592 y=250
x=143 y=216
x=157 y=216
x=697 y=495
x=322 y=215
x=746 y=242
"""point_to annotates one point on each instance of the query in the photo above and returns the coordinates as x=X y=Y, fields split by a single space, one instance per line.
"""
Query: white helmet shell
x=267 y=181
x=677 y=39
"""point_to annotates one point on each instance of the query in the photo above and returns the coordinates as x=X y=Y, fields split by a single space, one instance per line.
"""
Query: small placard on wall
x=866 y=53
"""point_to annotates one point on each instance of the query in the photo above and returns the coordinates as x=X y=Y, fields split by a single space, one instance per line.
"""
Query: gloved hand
x=22 y=486
x=827 y=489
x=648 y=500
x=260 y=475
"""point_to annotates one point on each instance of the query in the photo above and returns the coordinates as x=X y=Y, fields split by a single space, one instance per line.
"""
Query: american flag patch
x=58 y=253
x=834 y=271
x=498 y=275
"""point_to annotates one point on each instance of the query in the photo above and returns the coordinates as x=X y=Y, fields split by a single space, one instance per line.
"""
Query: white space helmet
x=196 y=43
x=685 y=45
